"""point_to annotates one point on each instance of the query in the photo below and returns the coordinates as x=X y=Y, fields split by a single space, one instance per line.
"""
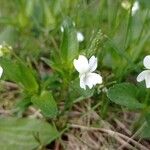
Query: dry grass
x=86 y=129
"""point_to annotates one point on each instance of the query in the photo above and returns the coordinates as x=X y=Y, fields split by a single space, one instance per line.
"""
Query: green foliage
x=18 y=72
x=41 y=61
x=69 y=46
x=25 y=133
x=124 y=94
x=46 y=103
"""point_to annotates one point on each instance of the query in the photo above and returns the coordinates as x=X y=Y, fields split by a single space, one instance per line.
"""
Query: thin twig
x=111 y=133
x=133 y=136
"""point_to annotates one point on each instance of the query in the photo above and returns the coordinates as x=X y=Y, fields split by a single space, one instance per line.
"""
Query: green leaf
x=70 y=45
x=25 y=133
x=17 y=71
x=124 y=94
x=46 y=103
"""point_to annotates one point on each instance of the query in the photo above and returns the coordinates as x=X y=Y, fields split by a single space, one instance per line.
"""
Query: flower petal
x=91 y=79
x=147 y=80
x=146 y=62
x=82 y=82
x=142 y=75
x=81 y=64
x=93 y=63
x=1 y=71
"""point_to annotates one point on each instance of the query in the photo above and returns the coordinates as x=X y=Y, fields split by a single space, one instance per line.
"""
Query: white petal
x=91 y=79
x=1 y=71
x=81 y=64
x=146 y=62
x=142 y=75
x=135 y=7
x=82 y=82
x=147 y=80
x=93 y=63
x=80 y=37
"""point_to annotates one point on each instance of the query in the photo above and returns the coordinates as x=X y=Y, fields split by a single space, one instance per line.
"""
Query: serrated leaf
x=25 y=133
x=46 y=103
x=124 y=94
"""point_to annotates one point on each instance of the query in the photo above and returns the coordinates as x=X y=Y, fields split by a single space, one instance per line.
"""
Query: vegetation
x=42 y=103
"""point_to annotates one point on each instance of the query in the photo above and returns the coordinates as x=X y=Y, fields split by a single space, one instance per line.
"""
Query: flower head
x=85 y=69
x=145 y=75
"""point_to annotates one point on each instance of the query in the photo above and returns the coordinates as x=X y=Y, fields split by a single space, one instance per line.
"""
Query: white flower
x=80 y=37
x=145 y=75
x=1 y=71
x=135 y=7
x=85 y=69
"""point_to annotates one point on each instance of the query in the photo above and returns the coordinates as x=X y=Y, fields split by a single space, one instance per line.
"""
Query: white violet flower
x=145 y=75
x=85 y=69
x=1 y=71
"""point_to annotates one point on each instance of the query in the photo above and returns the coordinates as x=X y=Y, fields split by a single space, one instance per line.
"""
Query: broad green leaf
x=25 y=134
x=17 y=71
x=124 y=94
x=46 y=103
x=69 y=46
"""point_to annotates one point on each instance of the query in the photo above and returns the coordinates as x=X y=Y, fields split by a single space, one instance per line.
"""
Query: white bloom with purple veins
x=145 y=75
x=86 y=69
